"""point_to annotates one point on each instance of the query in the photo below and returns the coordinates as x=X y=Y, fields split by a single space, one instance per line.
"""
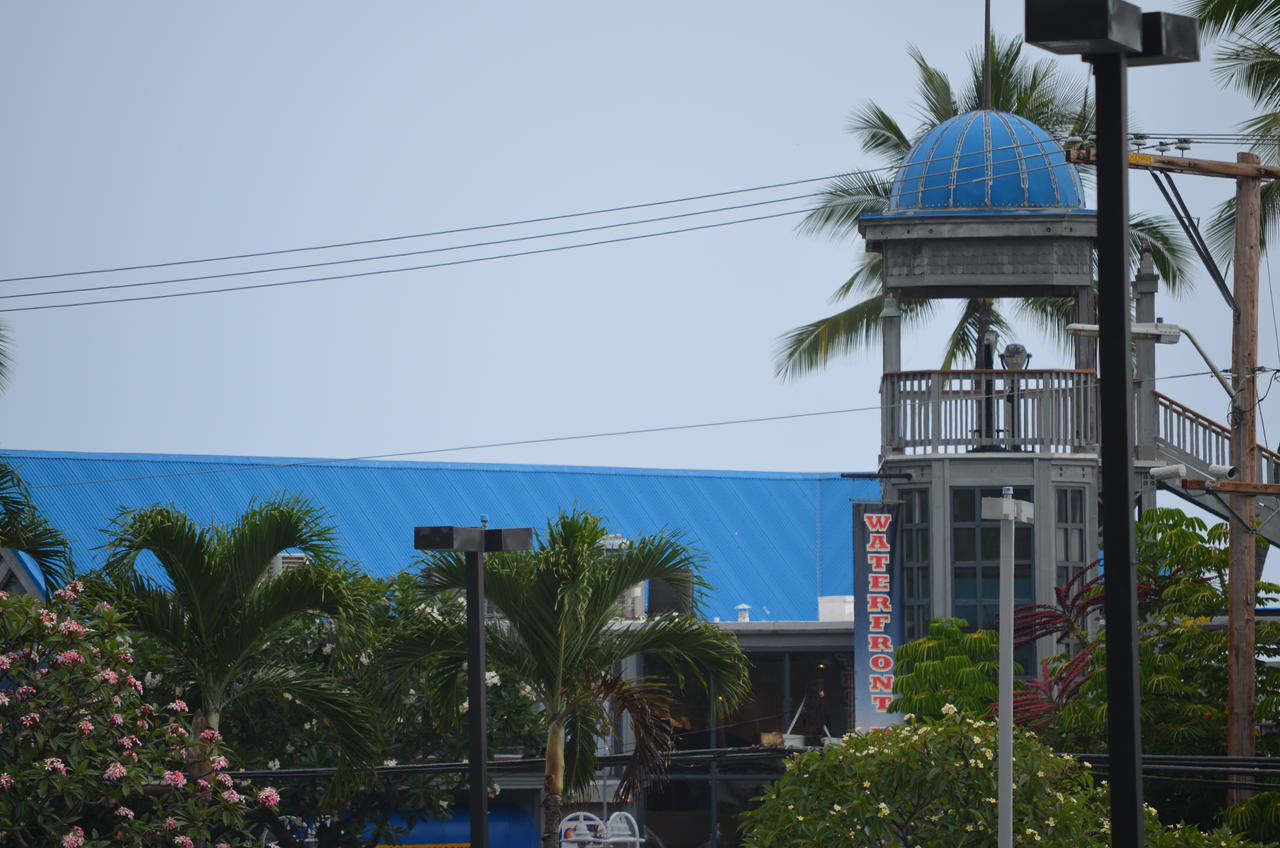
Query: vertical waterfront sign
x=877 y=630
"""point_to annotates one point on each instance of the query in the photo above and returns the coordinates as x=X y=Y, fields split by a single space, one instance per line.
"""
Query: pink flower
x=102 y=606
x=222 y=845
x=74 y=838
x=134 y=682
x=4 y=662
x=175 y=778
x=4 y=700
x=30 y=719
x=210 y=734
x=115 y=771
x=232 y=797
x=183 y=842
x=72 y=628
x=224 y=780
x=48 y=619
x=117 y=719
x=178 y=706
x=68 y=658
x=128 y=742
x=203 y=785
x=54 y=764
x=86 y=726
x=124 y=813
x=108 y=675
x=126 y=657
x=268 y=797
x=220 y=762
x=6 y=782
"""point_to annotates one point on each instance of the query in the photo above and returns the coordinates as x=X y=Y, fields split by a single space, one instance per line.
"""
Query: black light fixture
x=474 y=542
x=1111 y=35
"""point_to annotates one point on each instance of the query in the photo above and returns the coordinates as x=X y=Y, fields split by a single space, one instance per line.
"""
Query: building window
x=915 y=562
x=975 y=554
x=1068 y=530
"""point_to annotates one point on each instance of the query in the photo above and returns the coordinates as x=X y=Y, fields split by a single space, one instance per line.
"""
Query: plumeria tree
x=84 y=759
x=933 y=785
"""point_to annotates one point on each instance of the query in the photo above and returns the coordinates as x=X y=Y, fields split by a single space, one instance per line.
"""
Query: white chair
x=582 y=830
x=622 y=829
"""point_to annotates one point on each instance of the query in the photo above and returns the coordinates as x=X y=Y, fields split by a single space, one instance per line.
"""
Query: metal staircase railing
x=1184 y=436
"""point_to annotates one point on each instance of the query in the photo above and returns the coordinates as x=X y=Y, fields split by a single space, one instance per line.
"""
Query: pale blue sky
x=152 y=132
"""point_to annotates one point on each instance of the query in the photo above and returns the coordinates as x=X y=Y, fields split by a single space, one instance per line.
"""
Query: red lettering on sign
x=879 y=643
x=879 y=622
x=878 y=603
x=878 y=583
x=878 y=542
x=882 y=683
x=877 y=522
x=878 y=562
x=881 y=662
x=882 y=702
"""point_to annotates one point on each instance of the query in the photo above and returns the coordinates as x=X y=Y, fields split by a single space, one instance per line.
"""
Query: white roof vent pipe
x=744 y=612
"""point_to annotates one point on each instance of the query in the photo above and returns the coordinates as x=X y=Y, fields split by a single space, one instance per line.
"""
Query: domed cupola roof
x=985 y=162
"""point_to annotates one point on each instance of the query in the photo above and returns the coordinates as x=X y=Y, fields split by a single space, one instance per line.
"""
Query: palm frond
x=878 y=132
x=962 y=342
x=1169 y=249
x=809 y=348
x=344 y=717
x=647 y=704
x=1223 y=16
x=691 y=648
x=1050 y=315
x=1222 y=227
x=23 y=527
x=844 y=200
x=937 y=100
x=245 y=549
x=182 y=549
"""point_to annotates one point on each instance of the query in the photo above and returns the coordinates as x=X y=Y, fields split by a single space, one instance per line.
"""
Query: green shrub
x=934 y=786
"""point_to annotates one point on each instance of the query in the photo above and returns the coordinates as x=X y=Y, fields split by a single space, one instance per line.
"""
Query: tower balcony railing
x=955 y=412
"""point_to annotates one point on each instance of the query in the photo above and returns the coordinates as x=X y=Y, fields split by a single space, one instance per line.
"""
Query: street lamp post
x=474 y=542
x=1007 y=511
x=1112 y=35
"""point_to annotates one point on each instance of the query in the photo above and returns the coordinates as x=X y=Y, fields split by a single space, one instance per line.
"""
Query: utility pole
x=1248 y=173
x=1241 y=646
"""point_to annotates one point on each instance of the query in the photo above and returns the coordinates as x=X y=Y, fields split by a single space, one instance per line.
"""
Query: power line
x=260 y=466
x=951 y=185
x=1039 y=148
x=280 y=283
x=423 y=252
x=484 y=446
x=452 y=231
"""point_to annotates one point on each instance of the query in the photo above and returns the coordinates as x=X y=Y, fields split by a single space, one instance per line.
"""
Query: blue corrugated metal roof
x=774 y=540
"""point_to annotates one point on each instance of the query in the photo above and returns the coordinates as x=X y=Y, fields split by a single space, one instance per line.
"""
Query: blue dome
x=985 y=161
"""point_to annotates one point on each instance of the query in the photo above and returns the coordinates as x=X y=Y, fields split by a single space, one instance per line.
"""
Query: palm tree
x=1036 y=91
x=561 y=637
x=220 y=607
x=1249 y=60
x=23 y=528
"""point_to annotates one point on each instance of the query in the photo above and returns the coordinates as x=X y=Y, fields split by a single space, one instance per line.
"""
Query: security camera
x=1168 y=472
x=1223 y=472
